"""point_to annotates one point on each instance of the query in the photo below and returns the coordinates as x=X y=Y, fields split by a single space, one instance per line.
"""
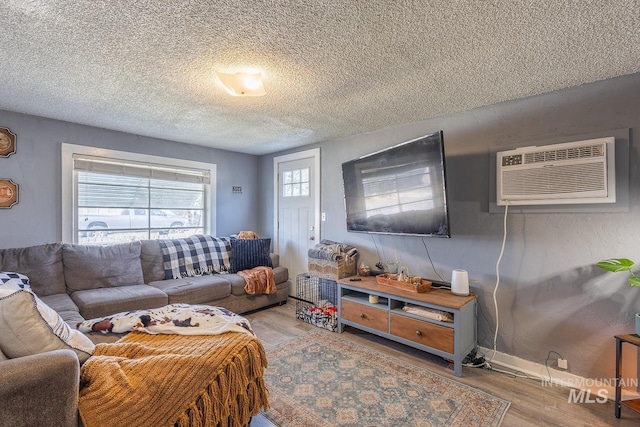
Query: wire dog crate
x=316 y=300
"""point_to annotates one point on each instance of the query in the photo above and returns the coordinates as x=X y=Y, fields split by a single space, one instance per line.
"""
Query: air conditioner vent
x=573 y=172
x=564 y=180
x=583 y=152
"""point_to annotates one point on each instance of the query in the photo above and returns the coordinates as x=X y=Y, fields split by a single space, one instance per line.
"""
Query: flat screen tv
x=399 y=190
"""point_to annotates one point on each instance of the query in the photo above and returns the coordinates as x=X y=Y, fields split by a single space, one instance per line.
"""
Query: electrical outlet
x=563 y=363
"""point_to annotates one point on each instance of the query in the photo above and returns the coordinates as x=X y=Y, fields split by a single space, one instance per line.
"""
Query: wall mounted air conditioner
x=570 y=173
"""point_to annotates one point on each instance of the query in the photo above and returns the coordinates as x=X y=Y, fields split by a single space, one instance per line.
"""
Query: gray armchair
x=40 y=390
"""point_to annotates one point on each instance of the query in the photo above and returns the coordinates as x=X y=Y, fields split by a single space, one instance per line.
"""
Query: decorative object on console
x=7 y=142
x=8 y=193
x=412 y=284
x=392 y=267
x=460 y=282
x=364 y=270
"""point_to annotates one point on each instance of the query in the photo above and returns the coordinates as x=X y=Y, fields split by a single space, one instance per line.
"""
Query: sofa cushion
x=275 y=260
x=60 y=302
x=105 y=301
x=195 y=290
x=28 y=326
x=93 y=267
x=72 y=318
x=151 y=259
x=42 y=264
x=195 y=256
x=280 y=274
x=249 y=253
x=237 y=284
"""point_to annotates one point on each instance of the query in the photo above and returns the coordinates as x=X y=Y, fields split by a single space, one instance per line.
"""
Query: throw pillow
x=195 y=255
x=13 y=286
x=249 y=253
x=9 y=277
x=28 y=326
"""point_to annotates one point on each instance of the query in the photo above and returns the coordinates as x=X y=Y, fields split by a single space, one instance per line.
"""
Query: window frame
x=69 y=183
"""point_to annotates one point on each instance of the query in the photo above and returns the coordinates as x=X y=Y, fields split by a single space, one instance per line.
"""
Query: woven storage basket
x=332 y=270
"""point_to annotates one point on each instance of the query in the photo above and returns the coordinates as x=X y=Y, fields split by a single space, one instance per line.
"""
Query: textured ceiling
x=331 y=68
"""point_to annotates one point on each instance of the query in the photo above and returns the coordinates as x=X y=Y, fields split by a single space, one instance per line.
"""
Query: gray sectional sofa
x=82 y=282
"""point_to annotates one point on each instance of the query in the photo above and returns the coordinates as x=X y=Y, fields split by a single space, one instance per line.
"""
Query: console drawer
x=424 y=333
x=365 y=315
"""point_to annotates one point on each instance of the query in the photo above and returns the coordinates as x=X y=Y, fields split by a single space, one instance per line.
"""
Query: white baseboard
x=557 y=377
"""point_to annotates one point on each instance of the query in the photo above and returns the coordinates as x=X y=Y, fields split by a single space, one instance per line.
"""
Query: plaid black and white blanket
x=195 y=256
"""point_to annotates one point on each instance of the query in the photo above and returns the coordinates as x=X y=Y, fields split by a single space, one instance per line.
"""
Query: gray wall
x=35 y=167
x=550 y=297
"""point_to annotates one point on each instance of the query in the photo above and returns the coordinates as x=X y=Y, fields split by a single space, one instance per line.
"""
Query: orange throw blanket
x=166 y=380
x=258 y=280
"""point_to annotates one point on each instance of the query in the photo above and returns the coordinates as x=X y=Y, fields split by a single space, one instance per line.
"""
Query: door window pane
x=295 y=183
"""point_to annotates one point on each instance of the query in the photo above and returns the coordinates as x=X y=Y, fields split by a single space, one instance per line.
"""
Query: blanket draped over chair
x=181 y=380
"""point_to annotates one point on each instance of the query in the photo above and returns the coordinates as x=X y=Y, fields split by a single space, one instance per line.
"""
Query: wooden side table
x=633 y=403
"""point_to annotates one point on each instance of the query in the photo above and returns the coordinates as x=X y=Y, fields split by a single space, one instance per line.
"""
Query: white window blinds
x=104 y=165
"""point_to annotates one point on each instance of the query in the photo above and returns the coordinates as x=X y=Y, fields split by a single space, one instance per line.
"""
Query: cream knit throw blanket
x=167 y=380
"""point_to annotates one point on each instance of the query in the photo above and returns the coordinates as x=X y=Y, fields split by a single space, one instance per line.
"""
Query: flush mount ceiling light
x=242 y=84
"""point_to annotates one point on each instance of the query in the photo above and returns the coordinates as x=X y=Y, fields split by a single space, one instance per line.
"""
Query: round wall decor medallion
x=8 y=193
x=7 y=142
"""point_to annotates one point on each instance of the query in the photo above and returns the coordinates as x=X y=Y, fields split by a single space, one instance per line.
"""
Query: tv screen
x=399 y=190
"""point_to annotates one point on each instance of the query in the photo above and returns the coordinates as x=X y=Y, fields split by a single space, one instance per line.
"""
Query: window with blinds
x=120 y=200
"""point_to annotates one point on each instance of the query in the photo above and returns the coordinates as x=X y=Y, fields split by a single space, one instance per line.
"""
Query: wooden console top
x=442 y=297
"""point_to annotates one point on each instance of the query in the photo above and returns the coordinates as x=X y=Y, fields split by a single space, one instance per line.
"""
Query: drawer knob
x=362 y=315
x=418 y=333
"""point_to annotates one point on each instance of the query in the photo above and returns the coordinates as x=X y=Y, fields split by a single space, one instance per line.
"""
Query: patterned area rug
x=320 y=379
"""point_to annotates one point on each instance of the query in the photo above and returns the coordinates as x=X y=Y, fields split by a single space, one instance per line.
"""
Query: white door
x=297 y=203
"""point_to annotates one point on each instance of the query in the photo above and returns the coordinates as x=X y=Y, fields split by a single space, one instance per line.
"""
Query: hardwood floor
x=532 y=404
